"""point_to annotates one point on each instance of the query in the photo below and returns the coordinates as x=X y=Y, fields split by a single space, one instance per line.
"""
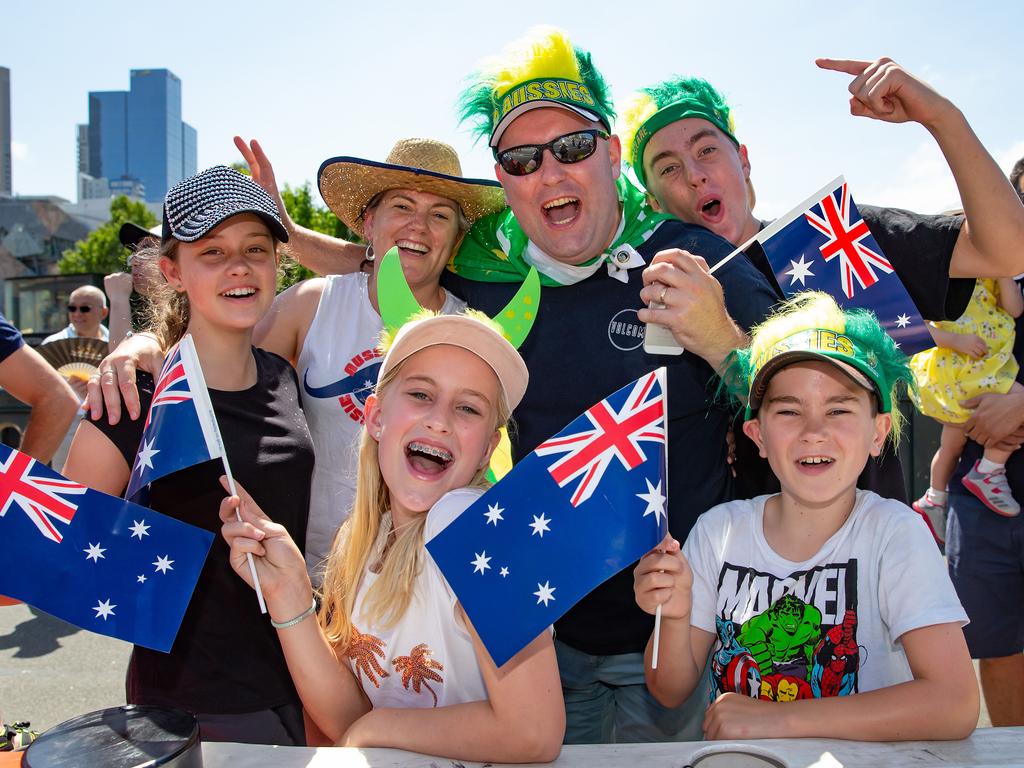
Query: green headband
x=678 y=110
x=819 y=343
x=555 y=90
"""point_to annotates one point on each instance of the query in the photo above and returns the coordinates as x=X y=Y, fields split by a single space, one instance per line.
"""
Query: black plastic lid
x=120 y=737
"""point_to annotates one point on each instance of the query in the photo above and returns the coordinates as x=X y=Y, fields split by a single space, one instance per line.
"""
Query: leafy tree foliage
x=101 y=252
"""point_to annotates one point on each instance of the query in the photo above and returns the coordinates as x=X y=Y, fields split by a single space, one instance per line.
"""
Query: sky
x=317 y=80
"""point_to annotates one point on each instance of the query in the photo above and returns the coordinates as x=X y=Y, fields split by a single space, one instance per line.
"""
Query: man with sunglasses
x=603 y=255
x=87 y=308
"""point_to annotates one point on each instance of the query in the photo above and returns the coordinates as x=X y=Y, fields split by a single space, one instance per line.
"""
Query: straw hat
x=347 y=184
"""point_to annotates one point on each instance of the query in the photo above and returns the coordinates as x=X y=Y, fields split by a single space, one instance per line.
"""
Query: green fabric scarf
x=483 y=255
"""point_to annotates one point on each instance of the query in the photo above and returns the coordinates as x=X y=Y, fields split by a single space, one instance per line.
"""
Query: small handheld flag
x=825 y=245
x=181 y=430
x=97 y=561
x=587 y=503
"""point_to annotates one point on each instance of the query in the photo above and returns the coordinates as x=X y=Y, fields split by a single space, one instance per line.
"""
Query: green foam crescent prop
x=397 y=302
x=516 y=319
x=394 y=296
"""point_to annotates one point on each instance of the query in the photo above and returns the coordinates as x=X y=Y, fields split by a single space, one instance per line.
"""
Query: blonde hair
x=356 y=543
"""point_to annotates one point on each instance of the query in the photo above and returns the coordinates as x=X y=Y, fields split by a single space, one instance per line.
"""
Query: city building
x=135 y=141
x=6 y=184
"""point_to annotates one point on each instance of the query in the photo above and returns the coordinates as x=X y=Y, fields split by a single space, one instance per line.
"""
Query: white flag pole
x=214 y=441
x=781 y=222
x=663 y=380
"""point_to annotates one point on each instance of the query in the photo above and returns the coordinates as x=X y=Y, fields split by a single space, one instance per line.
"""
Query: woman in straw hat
x=417 y=200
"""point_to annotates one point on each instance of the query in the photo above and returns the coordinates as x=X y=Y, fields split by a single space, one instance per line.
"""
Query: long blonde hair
x=357 y=542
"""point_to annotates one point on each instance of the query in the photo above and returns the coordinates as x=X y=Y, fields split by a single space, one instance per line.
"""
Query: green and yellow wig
x=651 y=109
x=811 y=325
x=540 y=69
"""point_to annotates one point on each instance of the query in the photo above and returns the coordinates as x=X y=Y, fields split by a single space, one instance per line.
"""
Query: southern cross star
x=481 y=562
x=655 y=500
x=146 y=454
x=545 y=593
x=540 y=525
x=801 y=271
x=104 y=609
x=493 y=514
x=94 y=552
x=163 y=564
x=140 y=529
x=902 y=321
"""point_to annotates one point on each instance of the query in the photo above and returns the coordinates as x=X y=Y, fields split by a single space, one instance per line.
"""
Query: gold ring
x=661 y=296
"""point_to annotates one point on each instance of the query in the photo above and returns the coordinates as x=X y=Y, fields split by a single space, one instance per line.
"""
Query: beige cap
x=470 y=334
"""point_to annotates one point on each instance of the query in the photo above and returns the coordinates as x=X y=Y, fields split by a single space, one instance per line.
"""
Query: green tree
x=101 y=252
x=299 y=203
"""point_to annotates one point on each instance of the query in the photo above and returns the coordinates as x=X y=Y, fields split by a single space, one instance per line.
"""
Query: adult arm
x=283 y=329
x=996 y=419
x=940 y=703
x=118 y=287
x=692 y=305
x=321 y=253
x=113 y=384
x=989 y=241
x=34 y=382
x=522 y=720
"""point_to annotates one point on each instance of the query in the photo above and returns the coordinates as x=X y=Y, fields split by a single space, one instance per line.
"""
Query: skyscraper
x=6 y=183
x=137 y=137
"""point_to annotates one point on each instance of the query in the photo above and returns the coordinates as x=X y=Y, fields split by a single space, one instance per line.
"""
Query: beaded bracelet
x=292 y=622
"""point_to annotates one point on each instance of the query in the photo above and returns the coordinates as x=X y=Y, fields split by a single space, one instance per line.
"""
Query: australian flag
x=587 y=503
x=824 y=245
x=181 y=429
x=97 y=561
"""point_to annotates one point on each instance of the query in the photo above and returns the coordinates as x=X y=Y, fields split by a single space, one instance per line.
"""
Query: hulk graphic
x=785 y=634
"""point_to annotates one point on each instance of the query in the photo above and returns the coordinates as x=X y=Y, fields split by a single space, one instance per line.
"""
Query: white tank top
x=337 y=368
x=427 y=658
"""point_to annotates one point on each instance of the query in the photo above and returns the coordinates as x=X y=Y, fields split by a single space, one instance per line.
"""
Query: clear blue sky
x=314 y=80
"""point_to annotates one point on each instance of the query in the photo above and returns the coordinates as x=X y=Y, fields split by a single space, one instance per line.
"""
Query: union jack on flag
x=845 y=241
x=172 y=385
x=38 y=494
x=181 y=428
x=824 y=244
x=537 y=542
x=102 y=563
x=611 y=434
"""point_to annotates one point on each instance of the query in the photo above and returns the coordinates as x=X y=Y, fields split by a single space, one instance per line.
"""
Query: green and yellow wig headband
x=811 y=326
x=542 y=69
x=651 y=109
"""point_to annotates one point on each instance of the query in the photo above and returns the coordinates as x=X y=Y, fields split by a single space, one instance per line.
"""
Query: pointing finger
x=849 y=66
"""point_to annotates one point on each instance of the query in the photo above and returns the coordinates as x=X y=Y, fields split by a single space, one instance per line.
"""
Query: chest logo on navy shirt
x=625 y=331
x=351 y=390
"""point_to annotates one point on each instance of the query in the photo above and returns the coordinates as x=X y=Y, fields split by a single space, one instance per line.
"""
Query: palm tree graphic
x=417 y=668
x=363 y=650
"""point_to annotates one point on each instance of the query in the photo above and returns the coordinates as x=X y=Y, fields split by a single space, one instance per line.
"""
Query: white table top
x=986 y=747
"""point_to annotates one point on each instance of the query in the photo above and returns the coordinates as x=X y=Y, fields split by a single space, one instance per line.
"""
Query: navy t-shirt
x=586 y=343
x=10 y=339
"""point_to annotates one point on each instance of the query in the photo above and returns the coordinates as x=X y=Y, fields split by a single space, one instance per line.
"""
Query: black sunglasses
x=570 y=148
x=84 y=309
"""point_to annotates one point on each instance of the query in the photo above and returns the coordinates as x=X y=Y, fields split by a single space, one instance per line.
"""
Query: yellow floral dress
x=945 y=376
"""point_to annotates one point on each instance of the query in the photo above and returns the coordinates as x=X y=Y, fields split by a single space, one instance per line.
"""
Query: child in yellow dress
x=973 y=356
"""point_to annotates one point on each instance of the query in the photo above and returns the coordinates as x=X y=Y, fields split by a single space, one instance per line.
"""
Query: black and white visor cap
x=199 y=203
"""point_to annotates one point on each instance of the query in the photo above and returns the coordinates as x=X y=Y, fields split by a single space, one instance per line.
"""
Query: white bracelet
x=292 y=622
